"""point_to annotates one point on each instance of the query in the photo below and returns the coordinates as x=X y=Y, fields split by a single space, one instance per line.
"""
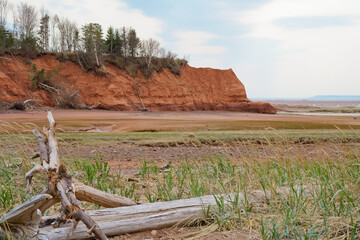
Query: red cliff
x=194 y=89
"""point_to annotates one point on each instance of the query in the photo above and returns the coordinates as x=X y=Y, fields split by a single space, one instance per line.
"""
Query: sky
x=277 y=48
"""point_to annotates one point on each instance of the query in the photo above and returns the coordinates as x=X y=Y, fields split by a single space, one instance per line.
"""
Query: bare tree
x=162 y=53
x=171 y=55
x=27 y=20
x=124 y=41
x=60 y=24
x=67 y=30
x=70 y=31
x=4 y=8
x=149 y=49
x=54 y=33
x=15 y=25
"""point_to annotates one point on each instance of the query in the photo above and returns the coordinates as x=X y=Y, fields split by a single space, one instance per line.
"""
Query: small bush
x=132 y=65
x=66 y=56
x=132 y=69
x=118 y=61
x=39 y=78
x=29 y=47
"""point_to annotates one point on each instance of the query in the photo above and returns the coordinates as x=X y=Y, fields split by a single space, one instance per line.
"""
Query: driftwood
x=90 y=194
x=24 y=220
x=148 y=216
x=138 y=218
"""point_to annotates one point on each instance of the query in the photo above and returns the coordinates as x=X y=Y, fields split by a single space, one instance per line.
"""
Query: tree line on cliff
x=35 y=32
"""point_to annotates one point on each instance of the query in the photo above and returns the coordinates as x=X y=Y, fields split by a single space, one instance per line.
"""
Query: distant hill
x=335 y=97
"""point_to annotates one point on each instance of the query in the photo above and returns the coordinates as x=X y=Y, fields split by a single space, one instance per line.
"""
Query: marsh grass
x=305 y=199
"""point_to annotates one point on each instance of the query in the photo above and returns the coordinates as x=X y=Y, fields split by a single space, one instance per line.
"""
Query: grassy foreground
x=305 y=199
x=320 y=200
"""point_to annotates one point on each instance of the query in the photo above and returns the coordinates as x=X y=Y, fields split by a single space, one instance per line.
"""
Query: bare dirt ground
x=128 y=158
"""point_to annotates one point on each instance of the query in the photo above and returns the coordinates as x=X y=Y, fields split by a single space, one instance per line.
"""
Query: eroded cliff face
x=194 y=89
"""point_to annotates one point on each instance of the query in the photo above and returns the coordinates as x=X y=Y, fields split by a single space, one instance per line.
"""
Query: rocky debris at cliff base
x=28 y=105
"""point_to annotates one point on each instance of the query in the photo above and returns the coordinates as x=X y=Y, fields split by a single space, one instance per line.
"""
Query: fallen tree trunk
x=144 y=217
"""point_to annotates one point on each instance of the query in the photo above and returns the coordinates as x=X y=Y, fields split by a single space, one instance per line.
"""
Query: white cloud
x=196 y=42
x=107 y=13
x=195 y=45
x=309 y=61
x=262 y=19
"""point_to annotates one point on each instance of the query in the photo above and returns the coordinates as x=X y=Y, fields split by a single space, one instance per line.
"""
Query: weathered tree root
x=24 y=220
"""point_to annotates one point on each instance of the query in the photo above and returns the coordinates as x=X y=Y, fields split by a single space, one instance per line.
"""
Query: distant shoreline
x=314 y=98
x=317 y=106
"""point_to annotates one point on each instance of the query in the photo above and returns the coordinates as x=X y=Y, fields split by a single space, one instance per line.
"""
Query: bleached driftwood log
x=144 y=217
x=23 y=221
x=90 y=194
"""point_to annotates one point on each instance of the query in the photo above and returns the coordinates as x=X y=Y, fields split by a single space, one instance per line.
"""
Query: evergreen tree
x=2 y=39
x=109 y=41
x=7 y=40
x=133 y=42
x=29 y=46
x=118 y=43
x=44 y=32
x=76 y=40
x=10 y=40
x=92 y=38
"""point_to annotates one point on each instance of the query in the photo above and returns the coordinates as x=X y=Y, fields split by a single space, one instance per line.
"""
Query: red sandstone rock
x=194 y=89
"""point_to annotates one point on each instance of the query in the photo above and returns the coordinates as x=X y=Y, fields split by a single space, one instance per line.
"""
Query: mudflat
x=116 y=121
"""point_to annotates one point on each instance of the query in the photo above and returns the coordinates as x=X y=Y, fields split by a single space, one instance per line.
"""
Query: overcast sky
x=277 y=48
